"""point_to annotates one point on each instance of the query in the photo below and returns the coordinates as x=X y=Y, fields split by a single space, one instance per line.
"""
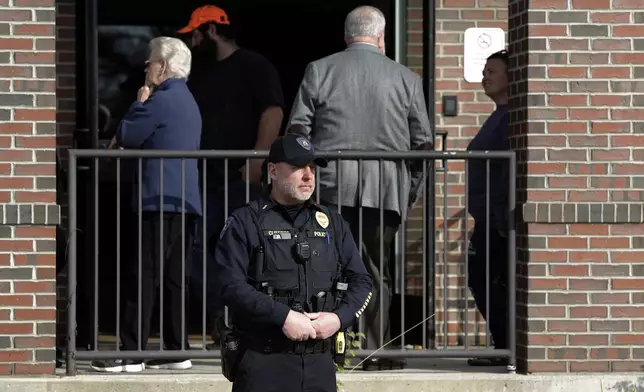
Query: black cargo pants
x=496 y=286
x=285 y=372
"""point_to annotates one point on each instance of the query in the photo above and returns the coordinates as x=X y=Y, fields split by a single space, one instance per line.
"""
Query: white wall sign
x=480 y=43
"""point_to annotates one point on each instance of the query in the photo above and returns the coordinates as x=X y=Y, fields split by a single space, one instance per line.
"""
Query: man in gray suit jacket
x=359 y=99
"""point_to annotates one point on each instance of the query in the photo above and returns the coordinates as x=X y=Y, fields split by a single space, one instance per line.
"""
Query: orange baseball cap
x=205 y=14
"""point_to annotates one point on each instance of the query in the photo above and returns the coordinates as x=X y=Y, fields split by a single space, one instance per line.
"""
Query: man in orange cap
x=205 y=14
x=240 y=97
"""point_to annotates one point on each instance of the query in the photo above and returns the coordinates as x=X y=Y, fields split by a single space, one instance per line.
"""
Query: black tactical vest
x=301 y=265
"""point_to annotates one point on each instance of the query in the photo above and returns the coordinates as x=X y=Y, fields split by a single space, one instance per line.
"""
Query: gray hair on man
x=175 y=53
x=364 y=21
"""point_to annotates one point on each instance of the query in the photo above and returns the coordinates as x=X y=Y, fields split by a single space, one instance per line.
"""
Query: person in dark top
x=308 y=283
x=492 y=136
x=240 y=97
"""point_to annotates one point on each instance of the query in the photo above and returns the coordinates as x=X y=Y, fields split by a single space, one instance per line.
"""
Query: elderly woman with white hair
x=165 y=116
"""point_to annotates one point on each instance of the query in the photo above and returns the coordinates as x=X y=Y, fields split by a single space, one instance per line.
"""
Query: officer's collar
x=268 y=203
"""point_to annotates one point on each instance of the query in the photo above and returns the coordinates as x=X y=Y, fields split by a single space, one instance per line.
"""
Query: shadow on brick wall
x=64 y=76
x=519 y=52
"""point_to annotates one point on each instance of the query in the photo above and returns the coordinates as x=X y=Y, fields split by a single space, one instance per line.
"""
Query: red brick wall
x=66 y=123
x=575 y=110
x=577 y=126
x=28 y=209
x=453 y=18
x=66 y=75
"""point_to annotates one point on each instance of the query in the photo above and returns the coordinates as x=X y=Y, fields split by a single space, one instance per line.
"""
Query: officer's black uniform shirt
x=255 y=311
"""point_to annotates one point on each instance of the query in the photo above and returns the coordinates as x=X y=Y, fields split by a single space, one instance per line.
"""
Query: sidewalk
x=356 y=382
x=420 y=376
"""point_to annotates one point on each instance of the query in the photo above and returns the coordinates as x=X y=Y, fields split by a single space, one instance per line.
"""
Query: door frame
x=86 y=136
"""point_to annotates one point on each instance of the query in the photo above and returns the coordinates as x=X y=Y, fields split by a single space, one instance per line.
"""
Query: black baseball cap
x=296 y=150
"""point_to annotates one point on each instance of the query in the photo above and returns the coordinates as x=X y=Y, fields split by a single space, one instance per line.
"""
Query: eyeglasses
x=149 y=62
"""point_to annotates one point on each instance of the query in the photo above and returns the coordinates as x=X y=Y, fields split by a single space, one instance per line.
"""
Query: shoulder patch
x=226 y=225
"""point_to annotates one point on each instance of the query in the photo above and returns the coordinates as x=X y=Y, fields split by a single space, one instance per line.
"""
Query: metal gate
x=507 y=289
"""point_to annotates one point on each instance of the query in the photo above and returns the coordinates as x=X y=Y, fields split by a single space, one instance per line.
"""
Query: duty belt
x=283 y=345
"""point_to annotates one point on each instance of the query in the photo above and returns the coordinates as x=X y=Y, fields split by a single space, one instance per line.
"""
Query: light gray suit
x=359 y=99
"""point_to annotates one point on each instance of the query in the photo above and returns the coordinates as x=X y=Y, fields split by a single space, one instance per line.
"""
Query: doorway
x=290 y=33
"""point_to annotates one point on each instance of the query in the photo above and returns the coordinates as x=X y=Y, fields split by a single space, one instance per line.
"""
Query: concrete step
x=356 y=382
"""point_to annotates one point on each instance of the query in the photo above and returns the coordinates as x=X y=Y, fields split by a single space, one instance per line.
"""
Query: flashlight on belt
x=340 y=348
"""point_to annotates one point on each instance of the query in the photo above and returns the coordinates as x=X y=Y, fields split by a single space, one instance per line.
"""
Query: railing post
x=512 y=259
x=71 y=271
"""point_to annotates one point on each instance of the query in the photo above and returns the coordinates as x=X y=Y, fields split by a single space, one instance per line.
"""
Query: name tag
x=278 y=234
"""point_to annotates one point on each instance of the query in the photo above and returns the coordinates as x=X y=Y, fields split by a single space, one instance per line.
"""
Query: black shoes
x=377 y=364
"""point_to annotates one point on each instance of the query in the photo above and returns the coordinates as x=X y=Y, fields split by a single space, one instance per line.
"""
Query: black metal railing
x=421 y=162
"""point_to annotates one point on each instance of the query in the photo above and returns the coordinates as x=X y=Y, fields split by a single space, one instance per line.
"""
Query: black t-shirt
x=232 y=94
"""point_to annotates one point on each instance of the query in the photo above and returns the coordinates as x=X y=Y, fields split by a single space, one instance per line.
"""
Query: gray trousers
x=376 y=335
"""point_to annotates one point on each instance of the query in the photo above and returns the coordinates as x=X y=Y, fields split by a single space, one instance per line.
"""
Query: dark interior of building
x=290 y=33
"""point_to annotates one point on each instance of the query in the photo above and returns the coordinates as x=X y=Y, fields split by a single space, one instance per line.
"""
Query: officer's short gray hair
x=364 y=21
x=175 y=53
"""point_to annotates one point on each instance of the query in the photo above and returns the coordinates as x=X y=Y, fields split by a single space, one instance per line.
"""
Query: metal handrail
x=73 y=354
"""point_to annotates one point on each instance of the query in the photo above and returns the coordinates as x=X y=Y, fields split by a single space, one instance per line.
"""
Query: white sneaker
x=118 y=366
x=169 y=364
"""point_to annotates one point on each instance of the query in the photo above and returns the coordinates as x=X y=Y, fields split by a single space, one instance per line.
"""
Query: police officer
x=290 y=273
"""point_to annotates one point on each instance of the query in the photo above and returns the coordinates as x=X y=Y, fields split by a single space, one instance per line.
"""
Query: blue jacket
x=168 y=120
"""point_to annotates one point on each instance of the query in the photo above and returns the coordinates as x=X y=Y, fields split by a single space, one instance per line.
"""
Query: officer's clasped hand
x=325 y=324
x=298 y=327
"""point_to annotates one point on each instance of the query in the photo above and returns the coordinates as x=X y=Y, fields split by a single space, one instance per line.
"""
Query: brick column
x=65 y=124
x=28 y=210
x=577 y=126
x=453 y=17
